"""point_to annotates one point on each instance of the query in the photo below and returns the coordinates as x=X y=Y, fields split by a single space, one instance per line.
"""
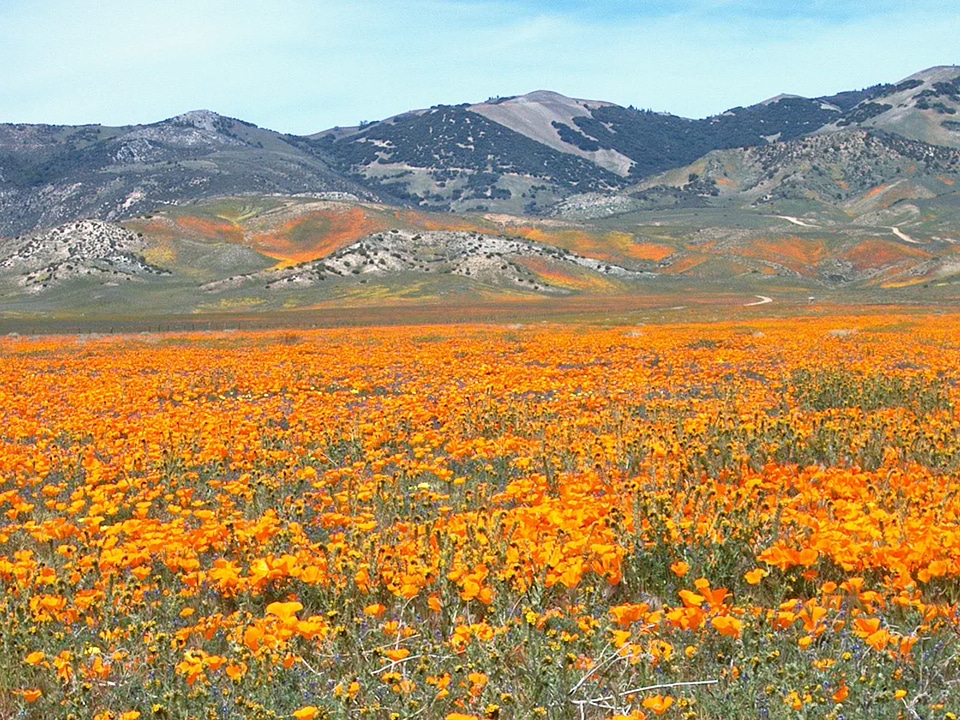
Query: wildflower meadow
x=727 y=520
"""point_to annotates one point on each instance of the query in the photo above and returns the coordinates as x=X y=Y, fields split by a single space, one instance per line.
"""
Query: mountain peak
x=782 y=96
x=543 y=97
x=936 y=73
x=200 y=119
x=551 y=119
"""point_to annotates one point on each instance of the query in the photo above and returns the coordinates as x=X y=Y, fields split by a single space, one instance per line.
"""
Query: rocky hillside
x=923 y=107
x=853 y=171
x=52 y=174
x=100 y=251
x=530 y=154
x=499 y=262
x=255 y=254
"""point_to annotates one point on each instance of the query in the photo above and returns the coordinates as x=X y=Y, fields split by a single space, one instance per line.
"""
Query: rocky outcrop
x=82 y=249
x=489 y=259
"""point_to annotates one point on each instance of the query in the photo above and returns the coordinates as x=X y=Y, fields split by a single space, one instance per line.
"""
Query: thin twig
x=603 y=663
x=391 y=645
x=648 y=688
x=394 y=663
x=667 y=686
x=310 y=668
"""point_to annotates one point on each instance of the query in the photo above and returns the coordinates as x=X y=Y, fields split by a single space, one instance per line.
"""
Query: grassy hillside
x=262 y=256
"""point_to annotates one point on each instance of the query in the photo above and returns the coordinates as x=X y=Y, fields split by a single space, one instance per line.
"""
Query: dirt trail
x=795 y=221
x=762 y=301
x=903 y=236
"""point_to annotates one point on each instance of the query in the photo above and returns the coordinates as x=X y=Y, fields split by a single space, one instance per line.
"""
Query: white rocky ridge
x=200 y=119
x=198 y=128
x=489 y=259
x=589 y=206
x=79 y=249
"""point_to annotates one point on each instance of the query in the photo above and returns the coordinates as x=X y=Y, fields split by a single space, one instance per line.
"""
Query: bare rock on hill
x=85 y=248
x=489 y=259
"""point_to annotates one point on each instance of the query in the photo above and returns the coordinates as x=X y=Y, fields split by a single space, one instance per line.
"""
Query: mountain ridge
x=520 y=154
x=515 y=198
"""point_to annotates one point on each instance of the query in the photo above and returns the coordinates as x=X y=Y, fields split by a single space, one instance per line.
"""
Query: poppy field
x=731 y=520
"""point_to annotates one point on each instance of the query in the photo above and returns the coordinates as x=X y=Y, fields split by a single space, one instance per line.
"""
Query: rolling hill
x=518 y=198
x=520 y=155
x=53 y=174
x=921 y=107
x=249 y=254
x=831 y=173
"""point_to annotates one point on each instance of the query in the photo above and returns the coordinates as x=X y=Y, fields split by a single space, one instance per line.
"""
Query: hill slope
x=921 y=107
x=532 y=196
x=51 y=174
x=829 y=172
x=452 y=158
x=522 y=154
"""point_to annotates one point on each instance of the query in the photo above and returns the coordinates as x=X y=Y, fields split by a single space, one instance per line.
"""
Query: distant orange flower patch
x=652 y=252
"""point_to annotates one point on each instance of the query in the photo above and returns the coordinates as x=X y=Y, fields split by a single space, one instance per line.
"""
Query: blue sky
x=301 y=66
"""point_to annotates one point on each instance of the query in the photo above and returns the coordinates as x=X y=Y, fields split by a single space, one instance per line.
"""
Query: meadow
x=750 y=519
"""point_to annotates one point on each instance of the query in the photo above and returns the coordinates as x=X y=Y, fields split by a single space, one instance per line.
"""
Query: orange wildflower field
x=750 y=520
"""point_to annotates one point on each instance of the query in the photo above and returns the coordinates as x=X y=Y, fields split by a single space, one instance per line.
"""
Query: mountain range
x=885 y=157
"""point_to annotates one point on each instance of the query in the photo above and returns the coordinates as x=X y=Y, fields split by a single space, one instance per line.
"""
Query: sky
x=301 y=66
